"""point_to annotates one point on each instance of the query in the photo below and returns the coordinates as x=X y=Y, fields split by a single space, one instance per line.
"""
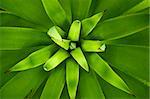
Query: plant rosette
x=56 y=49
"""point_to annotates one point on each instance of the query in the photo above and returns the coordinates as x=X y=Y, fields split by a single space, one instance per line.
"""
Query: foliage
x=77 y=49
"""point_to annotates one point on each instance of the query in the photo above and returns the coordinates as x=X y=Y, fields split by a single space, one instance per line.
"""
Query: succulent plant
x=74 y=49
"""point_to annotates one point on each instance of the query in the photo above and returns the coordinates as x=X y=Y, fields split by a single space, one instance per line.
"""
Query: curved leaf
x=35 y=59
x=56 y=59
x=120 y=27
x=140 y=90
x=54 y=84
x=64 y=43
x=56 y=13
x=10 y=20
x=66 y=5
x=72 y=77
x=80 y=8
x=12 y=38
x=141 y=6
x=11 y=58
x=104 y=71
x=89 y=24
x=29 y=10
x=92 y=46
x=39 y=91
x=134 y=60
x=64 y=94
x=144 y=11
x=113 y=8
x=56 y=33
x=138 y=39
x=89 y=87
x=74 y=31
x=78 y=55
x=28 y=82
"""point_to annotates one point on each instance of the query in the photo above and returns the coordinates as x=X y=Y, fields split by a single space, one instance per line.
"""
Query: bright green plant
x=77 y=49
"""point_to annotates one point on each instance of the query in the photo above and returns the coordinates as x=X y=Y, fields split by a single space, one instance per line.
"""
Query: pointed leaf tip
x=89 y=24
x=72 y=77
x=104 y=70
x=56 y=59
x=54 y=84
x=78 y=55
x=35 y=59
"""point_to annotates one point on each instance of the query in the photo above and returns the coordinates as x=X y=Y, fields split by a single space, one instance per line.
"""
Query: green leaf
x=56 y=13
x=65 y=94
x=92 y=46
x=72 y=77
x=134 y=60
x=78 y=55
x=39 y=91
x=63 y=43
x=80 y=8
x=141 y=6
x=74 y=31
x=73 y=45
x=28 y=82
x=54 y=84
x=56 y=33
x=89 y=87
x=140 y=90
x=11 y=58
x=12 y=38
x=29 y=10
x=10 y=20
x=144 y=11
x=105 y=71
x=66 y=5
x=113 y=8
x=138 y=39
x=89 y=24
x=119 y=27
x=56 y=59
x=35 y=59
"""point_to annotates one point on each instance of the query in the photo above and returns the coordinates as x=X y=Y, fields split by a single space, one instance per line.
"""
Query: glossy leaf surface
x=72 y=77
x=103 y=70
x=78 y=55
x=55 y=60
x=54 y=84
x=35 y=59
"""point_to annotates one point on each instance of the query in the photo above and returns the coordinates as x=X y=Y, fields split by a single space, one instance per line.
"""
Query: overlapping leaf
x=54 y=84
x=134 y=60
x=124 y=36
x=56 y=59
x=28 y=82
x=13 y=38
x=72 y=77
x=113 y=8
x=80 y=8
x=89 y=86
x=105 y=71
x=30 y=10
x=56 y=13
x=35 y=59
x=11 y=58
x=120 y=27
x=78 y=55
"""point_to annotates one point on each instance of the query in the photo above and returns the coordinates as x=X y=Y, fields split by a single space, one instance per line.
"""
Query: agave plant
x=74 y=49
